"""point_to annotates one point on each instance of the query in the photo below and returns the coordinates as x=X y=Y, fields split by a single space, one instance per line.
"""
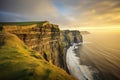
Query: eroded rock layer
x=45 y=38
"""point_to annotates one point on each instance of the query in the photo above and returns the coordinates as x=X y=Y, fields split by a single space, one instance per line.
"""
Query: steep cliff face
x=67 y=38
x=44 y=38
x=18 y=62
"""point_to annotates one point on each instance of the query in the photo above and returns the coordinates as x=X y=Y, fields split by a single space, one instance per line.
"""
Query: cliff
x=42 y=37
x=67 y=38
x=18 y=62
x=35 y=43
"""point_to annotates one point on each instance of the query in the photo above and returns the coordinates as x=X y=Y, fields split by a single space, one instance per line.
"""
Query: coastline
x=81 y=72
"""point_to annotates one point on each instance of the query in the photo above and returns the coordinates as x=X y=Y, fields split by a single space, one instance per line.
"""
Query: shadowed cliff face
x=69 y=37
x=45 y=38
x=18 y=62
x=41 y=37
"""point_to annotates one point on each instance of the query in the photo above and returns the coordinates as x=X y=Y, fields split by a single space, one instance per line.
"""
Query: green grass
x=42 y=23
x=23 y=23
x=17 y=62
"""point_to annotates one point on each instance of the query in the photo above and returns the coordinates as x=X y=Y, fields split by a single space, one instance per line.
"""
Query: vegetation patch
x=17 y=62
x=23 y=23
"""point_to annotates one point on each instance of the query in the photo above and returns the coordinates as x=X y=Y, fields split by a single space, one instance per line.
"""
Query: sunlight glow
x=99 y=28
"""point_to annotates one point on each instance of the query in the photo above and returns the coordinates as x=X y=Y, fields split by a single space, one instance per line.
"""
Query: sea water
x=97 y=58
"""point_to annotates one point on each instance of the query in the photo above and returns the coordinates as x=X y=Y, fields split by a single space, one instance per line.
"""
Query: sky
x=68 y=14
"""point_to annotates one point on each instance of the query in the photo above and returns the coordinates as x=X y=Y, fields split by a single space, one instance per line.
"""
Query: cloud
x=32 y=10
x=10 y=17
x=29 y=8
x=98 y=13
x=88 y=13
x=66 y=13
x=105 y=13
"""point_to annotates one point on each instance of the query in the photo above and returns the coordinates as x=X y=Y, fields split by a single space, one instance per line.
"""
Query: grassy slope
x=17 y=62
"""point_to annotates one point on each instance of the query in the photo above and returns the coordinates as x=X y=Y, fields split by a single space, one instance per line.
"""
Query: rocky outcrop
x=67 y=38
x=45 y=38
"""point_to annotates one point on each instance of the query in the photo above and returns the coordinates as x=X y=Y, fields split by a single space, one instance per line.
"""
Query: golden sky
x=68 y=14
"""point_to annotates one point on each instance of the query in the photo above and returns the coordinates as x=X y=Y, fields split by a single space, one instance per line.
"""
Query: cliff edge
x=29 y=51
x=67 y=38
x=18 y=62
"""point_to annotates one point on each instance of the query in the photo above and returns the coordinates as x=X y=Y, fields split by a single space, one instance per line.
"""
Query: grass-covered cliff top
x=17 y=62
x=27 y=25
x=24 y=23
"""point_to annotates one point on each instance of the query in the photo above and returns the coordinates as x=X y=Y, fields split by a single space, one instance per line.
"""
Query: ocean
x=97 y=58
